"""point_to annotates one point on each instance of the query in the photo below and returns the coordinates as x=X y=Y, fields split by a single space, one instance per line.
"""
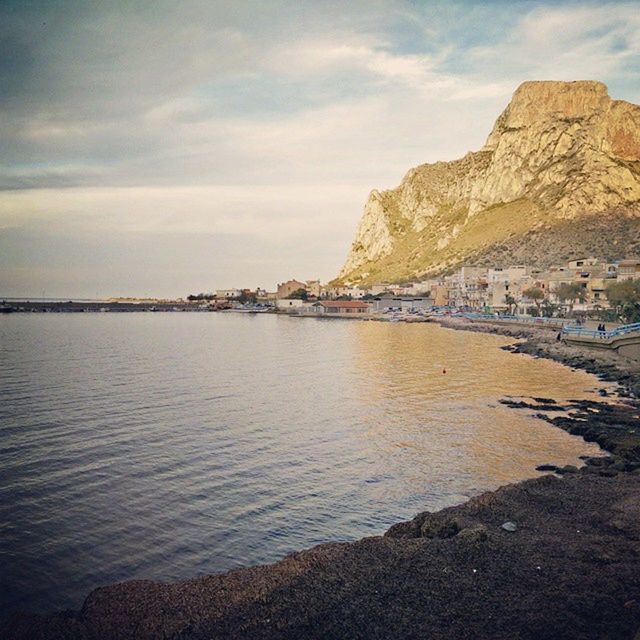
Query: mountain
x=558 y=178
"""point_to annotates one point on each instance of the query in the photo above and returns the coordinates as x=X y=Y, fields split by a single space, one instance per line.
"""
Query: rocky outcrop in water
x=559 y=176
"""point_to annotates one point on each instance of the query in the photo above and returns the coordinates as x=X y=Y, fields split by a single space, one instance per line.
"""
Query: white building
x=292 y=305
x=228 y=294
x=356 y=293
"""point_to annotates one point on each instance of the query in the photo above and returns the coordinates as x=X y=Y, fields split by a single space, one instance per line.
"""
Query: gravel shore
x=553 y=557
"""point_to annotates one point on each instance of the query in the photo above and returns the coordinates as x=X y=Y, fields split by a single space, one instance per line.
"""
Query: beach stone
x=510 y=526
x=590 y=470
x=608 y=473
x=598 y=462
x=438 y=529
x=619 y=465
x=443 y=528
x=546 y=467
x=474 y=534
x=409 y=529
x=569 y=468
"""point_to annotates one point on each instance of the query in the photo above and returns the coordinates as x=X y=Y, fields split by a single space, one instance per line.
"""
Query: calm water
x=164 y=446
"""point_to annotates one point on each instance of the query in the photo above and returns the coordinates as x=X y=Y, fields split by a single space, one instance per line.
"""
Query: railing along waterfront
x=549 y=322
x=594 y=333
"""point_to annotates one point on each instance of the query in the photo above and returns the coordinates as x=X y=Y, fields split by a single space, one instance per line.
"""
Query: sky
x=163 y=148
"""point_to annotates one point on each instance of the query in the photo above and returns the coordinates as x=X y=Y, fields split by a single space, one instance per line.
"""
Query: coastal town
x=583 y=286
x=587 y=287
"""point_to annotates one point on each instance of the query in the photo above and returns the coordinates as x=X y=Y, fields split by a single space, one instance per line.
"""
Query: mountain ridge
x=561 y=164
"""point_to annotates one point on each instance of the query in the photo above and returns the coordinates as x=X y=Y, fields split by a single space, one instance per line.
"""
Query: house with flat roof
x=629 y=269
x=313 y=288
x=583 y=263
x=228 y=294
x=402 y=303
x=285 y=289
x=292 y=305
x=341 y=306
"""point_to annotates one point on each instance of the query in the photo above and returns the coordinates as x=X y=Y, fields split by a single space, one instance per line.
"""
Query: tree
x=299 y=294
x=510 y=301
x=570 y=292
x=625 y=298
x=536 y=294
x=200 y=296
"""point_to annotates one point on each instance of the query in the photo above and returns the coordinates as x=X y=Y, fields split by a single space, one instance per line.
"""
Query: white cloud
x=356 y=55
x=588 y=42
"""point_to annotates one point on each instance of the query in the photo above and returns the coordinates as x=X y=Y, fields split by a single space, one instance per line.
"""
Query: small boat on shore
x=251 y=308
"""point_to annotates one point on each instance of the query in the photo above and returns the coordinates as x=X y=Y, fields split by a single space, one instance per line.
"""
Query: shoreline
x=571 y=569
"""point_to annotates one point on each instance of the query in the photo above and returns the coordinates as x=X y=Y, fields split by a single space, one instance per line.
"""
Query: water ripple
x=163 y=446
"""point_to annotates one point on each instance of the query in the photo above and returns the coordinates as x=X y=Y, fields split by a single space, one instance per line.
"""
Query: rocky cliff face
x=559 y=176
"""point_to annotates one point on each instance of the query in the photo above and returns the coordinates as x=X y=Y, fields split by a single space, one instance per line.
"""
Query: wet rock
x=409 y=529
x=569 y=468
x=541 y=404
x=591 y=435
x=619 y=465
x=590 y=470
x=599 y=461
x=515 y=404
x=608 y=473
x=546 y=467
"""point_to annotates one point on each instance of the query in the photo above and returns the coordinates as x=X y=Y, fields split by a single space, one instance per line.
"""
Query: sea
x=163 y=446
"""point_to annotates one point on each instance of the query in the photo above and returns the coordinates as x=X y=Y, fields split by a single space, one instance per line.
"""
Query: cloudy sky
x=162 y=148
